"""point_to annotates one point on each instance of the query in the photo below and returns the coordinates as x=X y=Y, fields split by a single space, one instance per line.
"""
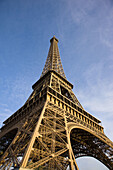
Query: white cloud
x=96 y=17
x=98 y=89
x=4 y=112
x=18 y=90
x=3 y=104
x=96 y=95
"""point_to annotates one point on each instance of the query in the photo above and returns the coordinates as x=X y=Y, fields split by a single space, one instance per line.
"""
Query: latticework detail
x=52 y=129
x=53 y=61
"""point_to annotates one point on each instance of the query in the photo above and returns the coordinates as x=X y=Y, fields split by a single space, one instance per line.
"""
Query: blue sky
x=85 y=33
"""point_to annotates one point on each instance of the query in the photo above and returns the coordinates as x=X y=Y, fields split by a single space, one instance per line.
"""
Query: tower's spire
x=53 y=61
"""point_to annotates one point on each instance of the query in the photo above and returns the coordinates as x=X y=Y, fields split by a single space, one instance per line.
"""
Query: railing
x=71 y=108
x=26 y=109
x=73 y=111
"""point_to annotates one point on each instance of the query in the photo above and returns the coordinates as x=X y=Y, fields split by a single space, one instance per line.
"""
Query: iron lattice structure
x=52 y=128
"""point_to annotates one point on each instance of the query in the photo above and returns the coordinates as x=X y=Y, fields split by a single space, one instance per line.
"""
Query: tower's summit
x=53 y=39
x=53 y=61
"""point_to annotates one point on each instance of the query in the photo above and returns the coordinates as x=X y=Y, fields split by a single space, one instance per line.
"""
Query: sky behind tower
x=85 y=33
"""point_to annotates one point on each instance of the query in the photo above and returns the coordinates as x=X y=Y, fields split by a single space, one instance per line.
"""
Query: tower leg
x=34 y=135
x=73 y=163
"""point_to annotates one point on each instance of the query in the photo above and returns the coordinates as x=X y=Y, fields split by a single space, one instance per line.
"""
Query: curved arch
x=6 y=140
x=72 y=126
x=86 y=143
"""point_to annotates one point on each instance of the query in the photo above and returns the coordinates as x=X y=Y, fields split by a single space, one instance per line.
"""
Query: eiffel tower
x=52 y=129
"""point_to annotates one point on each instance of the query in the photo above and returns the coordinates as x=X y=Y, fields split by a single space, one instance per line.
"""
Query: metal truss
x=53 y=61
x=52 y=129
x=43 y=141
